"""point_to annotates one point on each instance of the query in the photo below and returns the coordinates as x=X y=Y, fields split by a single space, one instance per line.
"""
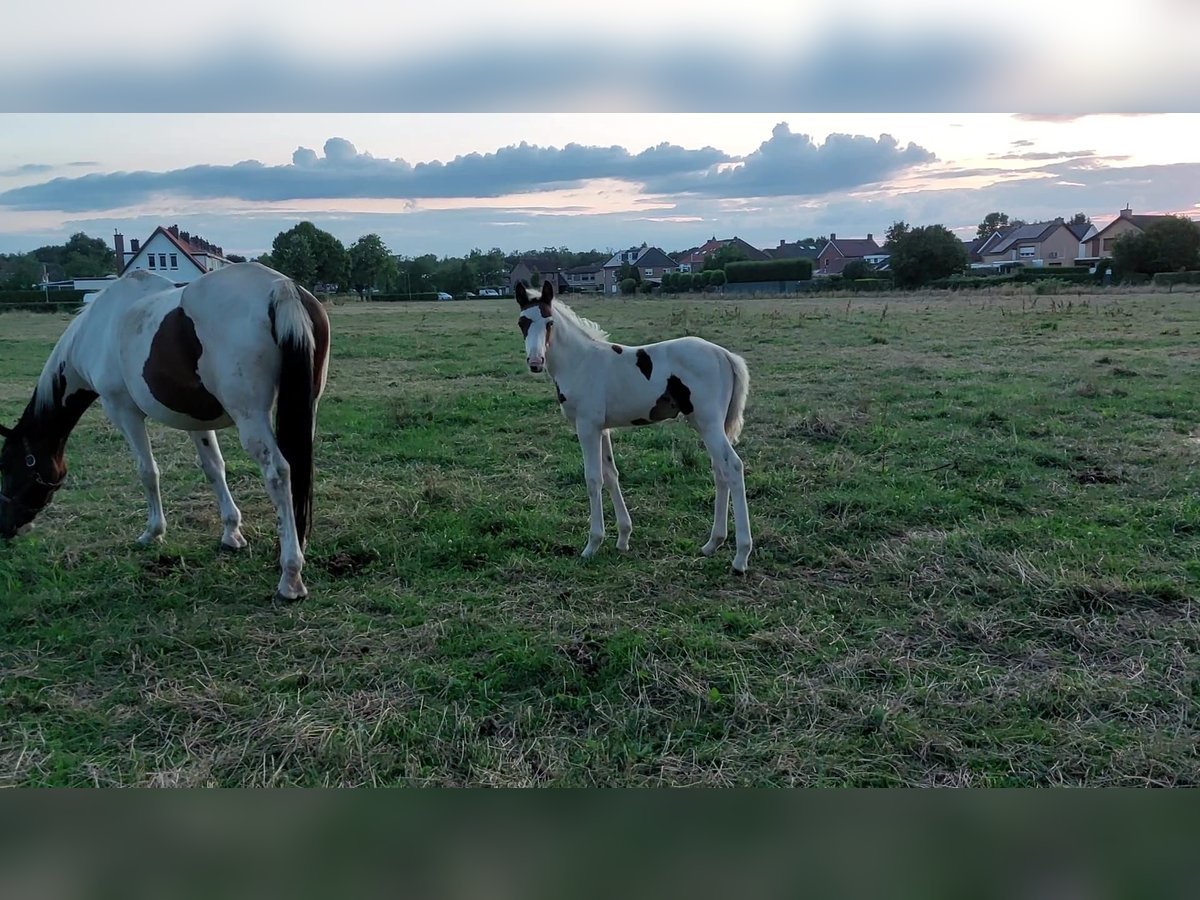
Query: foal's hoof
x=149 y=539
x=711 y=547
x=280 y=597
x=229 y=548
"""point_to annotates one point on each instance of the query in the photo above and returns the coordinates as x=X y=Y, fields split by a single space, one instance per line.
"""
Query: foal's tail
x=737 y=401
x=301 y=331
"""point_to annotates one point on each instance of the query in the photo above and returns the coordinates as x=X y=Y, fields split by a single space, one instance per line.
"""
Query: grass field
x=976 y=533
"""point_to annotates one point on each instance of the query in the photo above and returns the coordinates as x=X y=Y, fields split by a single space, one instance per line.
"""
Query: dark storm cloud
x=791 y=164
x=343 y=172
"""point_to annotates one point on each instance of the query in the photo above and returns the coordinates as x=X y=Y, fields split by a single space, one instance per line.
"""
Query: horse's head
x=536 y=322
x=30 y=472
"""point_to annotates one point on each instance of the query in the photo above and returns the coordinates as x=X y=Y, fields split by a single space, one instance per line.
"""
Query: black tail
x=299 y=390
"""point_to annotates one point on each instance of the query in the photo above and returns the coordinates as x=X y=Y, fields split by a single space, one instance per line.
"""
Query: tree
x=628 y=270
x=19 y=272
x=310 y=255
x=925 y=254
x=716 y=277
x=724 y=255
x=235 y=257
x=896 y=230
x=859 y=268
x=628 y=285
x=1171 y=244
x=991 y=223
x=1079 y=219
x=371 y=264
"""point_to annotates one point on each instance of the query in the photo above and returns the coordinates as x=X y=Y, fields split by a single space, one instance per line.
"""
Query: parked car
x=442 y=295
x=488 y=292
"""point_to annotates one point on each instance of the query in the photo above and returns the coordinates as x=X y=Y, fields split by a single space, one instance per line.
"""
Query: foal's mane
x=587 y=326
x=43 y=396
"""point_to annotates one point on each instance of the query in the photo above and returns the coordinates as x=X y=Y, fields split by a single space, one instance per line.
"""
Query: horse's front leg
x=590 y=440
x=131 y=422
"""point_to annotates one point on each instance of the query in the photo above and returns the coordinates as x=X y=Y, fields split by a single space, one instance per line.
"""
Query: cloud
x=344 y=172
x=1044 y=154
x=789 y=164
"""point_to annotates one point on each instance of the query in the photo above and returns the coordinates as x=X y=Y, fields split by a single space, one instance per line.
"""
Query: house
x=839 y=251
x=693 y=260
x=169 y=252
x=1098 y=244
x=794 y=250
x=585 y=279
x=1035 y=244
x=650 y=262
x=534 y=270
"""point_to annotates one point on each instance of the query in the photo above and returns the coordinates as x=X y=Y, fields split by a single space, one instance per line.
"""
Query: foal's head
x=537 y=324
x=30 y=472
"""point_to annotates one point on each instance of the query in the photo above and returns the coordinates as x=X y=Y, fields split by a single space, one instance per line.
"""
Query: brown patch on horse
x=644 y=363
x=523 y=323
x=549 y=333
x=172 y=369
x=617 y=348
x=664 y=407
x=561 y=398
x=681 y=394
x=320 y=329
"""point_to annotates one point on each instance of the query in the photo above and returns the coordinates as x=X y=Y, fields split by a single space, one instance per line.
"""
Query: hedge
x=1169 y=278
x=769 y=270
x=403 y=298
x=41 y=297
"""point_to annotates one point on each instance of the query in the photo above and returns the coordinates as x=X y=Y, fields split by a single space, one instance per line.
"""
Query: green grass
x=975 y=564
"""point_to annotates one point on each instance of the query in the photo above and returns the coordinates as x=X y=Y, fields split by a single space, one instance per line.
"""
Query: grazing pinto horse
x=601 y=385
x=219 y=352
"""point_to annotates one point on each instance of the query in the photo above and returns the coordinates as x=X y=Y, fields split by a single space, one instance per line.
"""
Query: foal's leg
x=131 y=422
x=259 y=440
x=213 y=465
x=720 y=526
x=590 y=441
x=726 y=460
x=612 y=482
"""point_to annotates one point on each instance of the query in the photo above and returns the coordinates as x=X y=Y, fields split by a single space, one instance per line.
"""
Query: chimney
x=782 y=242
x=174 y=230
x=870 y=237
x=832 y=236
x=134 y=245
x=1126 y=212
x=119 y=250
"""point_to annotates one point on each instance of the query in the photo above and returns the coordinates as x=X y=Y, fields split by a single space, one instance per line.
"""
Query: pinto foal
x=221 y=351
x=601 y=385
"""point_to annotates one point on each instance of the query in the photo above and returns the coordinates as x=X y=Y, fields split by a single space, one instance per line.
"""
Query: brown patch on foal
x=172 y=369
x=644 y=363
x=676 y=399
x=617 y=348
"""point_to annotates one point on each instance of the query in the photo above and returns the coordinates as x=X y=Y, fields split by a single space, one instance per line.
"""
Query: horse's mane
x=587 y=326
x=43 y=396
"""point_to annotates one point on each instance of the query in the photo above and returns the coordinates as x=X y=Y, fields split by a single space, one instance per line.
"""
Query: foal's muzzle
x=536 y=365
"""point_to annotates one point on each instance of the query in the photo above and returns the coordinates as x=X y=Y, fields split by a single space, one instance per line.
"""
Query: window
x=150 y=257
x=649 y=273
x=174 y=260
x=1028 y=252
x=162 y=260
x=1054 y=254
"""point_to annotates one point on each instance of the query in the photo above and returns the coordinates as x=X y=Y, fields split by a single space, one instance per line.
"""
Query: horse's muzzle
x=536 y=365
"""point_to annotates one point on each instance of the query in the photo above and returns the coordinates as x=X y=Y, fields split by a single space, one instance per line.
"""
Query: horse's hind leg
x=259 y=440
x=729 y=464
x=613 y=483
x=720 y=528
x=213 y=465
x=131 y=422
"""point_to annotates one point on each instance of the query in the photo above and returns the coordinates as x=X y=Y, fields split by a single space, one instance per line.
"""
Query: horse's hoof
x=149 y=540
x=230 y=548
x=281 y=598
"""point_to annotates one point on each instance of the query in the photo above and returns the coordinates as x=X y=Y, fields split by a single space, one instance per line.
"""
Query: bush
x=1165 y=279
x=669 y=280
x=628 y=285
x=716 y=277
x=972 y=282
x=403 y=298
x=769 y=270
x=858 y=269
x=646 y=287
x=1050 y=285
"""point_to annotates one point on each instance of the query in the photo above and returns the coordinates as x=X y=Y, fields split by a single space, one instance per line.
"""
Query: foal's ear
x=547 y=292
x=521 y=294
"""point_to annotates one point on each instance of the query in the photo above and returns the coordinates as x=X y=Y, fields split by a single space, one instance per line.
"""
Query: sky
x=444 y=127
